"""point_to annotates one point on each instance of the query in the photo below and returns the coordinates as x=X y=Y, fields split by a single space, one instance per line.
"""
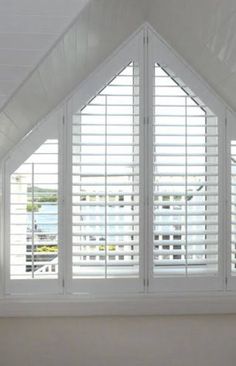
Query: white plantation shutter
x=185 y=181
x=32 y=210
x=34 y=215
x=127 y=196
x=105 y=170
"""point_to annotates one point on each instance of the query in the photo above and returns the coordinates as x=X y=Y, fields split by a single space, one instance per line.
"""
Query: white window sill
x=140 y=304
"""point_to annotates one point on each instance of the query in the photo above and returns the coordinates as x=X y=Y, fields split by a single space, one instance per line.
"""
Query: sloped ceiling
x=98 y=30
x=28 y=28
x=203 y=32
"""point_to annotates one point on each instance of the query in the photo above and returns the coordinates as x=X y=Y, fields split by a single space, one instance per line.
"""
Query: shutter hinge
x=146 y=282
x=146 y=120
x=145 y=39
x=63 y=120
x=63 y=283
x=226 y=281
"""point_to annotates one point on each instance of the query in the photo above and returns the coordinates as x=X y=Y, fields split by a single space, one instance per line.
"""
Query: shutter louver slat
x=185 y=182
x=105 y=178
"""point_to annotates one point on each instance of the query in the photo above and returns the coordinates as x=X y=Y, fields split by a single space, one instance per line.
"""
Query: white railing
x=51 y=267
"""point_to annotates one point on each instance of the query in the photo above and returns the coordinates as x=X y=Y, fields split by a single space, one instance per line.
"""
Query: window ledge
x=140 y=304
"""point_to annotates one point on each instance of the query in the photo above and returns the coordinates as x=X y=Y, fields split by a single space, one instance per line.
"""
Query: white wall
x=119 y=341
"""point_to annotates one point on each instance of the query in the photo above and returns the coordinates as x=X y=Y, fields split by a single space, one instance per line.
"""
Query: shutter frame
x=17 y=157
x=163 y=55
x=131 y=52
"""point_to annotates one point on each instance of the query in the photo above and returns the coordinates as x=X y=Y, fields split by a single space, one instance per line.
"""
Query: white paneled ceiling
x=100 y=27
x=203 y=32
x=28 y=28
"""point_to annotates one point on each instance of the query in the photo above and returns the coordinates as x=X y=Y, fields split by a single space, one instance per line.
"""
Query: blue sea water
x=46 y=219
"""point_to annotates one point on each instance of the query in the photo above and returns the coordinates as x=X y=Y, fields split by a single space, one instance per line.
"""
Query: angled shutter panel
x=34 y=215
x=185 y=186
x=105 y=170
x=32 y=211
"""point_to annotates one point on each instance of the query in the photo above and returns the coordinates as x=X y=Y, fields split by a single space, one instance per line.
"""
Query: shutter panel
x=185 y=181
x=105 y=180
x=32 y=211
x=34 y=215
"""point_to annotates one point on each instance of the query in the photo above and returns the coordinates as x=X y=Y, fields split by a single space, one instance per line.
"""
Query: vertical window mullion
x=32 y=215
x=186 y=187
x=147 y=166
x=105 y=183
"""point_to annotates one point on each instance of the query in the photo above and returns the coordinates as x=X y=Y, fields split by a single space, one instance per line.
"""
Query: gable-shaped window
x=122 y=191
